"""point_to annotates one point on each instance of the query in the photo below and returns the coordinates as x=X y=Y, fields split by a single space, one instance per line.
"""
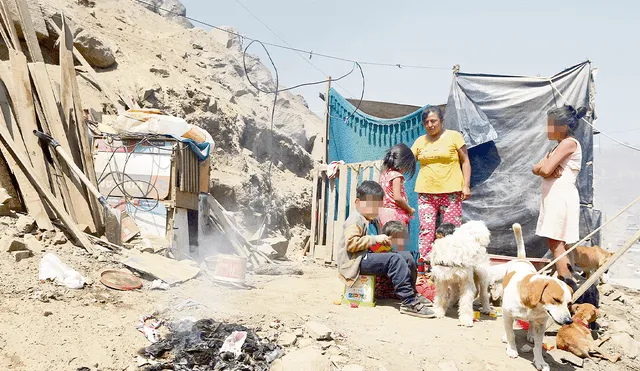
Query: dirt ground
x=47 y=327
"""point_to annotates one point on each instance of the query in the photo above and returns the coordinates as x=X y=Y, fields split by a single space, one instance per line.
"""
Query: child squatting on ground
x=355 y=257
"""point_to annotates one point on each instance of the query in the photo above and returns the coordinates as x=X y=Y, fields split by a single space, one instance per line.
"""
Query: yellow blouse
x=440 y=170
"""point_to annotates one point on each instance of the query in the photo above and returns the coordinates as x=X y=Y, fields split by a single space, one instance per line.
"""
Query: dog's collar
x=581 y=322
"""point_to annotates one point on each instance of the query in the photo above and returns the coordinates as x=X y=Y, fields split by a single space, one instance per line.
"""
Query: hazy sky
x=501 y=37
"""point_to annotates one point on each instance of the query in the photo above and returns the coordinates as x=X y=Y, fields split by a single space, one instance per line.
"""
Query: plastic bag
x=233 y=343
x=51 y=268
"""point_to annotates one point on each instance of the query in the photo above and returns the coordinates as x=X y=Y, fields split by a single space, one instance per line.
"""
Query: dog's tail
x=517 y=232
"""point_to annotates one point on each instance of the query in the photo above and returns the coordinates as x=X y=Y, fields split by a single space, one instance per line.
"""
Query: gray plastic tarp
x=513 y=110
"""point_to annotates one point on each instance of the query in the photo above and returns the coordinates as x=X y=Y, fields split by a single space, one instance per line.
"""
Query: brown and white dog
x=576 y=337
x=534 y=298
x=590 y=259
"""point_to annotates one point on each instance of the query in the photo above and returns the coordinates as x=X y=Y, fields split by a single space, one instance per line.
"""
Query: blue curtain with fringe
x=358 y=137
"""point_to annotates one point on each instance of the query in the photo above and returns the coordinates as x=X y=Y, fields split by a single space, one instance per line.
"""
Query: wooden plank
x=113 y=96
x=30 y=196
x=11 y=28
x=314 y=210
x=186 y=200
x=76 y=122
x=204 y=175
x=322 y=208
x=342 y=206
x=376 y=169
x=29 y=31
x=331 y=213
x=169 y=270
x=54 y=172
x=22 y=98
x=595 y=277
x=353 y=184
x=29 y=172
x=71 y=187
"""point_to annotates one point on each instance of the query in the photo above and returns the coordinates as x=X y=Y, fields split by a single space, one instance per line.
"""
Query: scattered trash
x=200 y=348
x=233 y=343
x=183 y=325
x=354 y=305
x=159 y=285
x=524 y=325
x=119 y=280
x=188 y=304
x=51 y=268
x=274 y=354
x=148 y=326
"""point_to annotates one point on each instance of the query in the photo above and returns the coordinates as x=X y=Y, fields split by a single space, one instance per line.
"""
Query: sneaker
x=417 y=309
x=425 y=301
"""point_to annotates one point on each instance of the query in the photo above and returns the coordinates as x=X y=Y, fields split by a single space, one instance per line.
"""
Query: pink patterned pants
x=449 y=205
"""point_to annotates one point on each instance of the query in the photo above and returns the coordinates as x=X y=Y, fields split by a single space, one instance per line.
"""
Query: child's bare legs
x=562 y=266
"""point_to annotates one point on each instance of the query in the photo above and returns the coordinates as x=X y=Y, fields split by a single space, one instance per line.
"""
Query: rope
x=588 y=236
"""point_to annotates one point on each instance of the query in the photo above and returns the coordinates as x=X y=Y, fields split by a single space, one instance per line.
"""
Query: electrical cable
x=379 y=64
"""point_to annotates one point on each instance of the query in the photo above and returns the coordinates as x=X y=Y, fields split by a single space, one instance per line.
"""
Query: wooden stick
x=588 y=236
x=596 y=276
x=76 y=122
x=314 y=207
x=327 y=122
x=5 y=137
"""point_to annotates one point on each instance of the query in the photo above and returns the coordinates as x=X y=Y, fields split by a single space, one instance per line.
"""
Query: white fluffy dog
x=460 y=270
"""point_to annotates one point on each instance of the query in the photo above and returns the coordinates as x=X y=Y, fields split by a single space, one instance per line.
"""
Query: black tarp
x=513 y=110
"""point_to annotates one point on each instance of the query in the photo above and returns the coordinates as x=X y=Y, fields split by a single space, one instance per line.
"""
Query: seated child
x=355 y=258
x=396 y=232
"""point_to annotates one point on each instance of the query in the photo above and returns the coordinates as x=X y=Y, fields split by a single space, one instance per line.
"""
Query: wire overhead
x=287 y=47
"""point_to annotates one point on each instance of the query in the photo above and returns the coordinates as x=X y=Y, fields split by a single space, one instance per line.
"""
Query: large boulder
x=94 y=49
x=170 y=9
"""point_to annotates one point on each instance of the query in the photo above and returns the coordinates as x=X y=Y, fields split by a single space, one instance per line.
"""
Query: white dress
x=560 y=210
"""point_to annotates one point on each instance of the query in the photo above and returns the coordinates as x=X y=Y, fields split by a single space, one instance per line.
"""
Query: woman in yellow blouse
x=444 y=178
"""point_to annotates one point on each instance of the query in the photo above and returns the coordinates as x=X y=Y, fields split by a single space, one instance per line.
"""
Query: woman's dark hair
x=434 y=109
x=393 y=227
x=567 y=116
x=370 y=190
x=400 y=158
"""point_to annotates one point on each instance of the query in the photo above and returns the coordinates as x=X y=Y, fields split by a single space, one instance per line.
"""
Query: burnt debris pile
x=201 y=346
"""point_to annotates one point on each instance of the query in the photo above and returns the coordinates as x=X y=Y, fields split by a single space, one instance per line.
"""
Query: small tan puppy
x=576 y=337
x=590 y=259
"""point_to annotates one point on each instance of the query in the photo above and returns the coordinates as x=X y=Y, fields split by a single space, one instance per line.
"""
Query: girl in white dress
x=560 y=209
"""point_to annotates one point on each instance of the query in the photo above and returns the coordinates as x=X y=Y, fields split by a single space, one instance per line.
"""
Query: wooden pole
x=588 y=236
x=327 y=121
x=596 y=276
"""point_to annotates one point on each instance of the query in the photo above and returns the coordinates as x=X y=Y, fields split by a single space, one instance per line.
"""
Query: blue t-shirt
x=373 y=229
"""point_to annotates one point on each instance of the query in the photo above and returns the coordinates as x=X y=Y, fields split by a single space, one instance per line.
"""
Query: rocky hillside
x=166 y=63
